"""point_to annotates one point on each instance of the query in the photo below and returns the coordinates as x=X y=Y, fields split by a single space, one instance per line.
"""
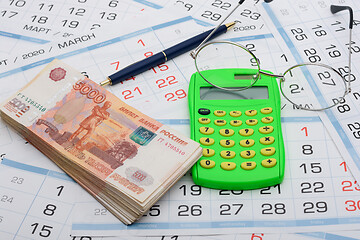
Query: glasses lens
x=240 y=63
x=313 y=86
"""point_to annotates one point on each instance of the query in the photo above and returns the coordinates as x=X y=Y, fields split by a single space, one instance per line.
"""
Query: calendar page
x=309 y=32
x=36 y=203
x=313 y=195
x=42 y=21
x=102 y=55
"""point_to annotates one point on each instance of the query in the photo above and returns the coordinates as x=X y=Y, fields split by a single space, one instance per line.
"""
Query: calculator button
x=247 y=142
x=250 y=112
x=227 y=154
x=247 y=154
x=206 y=130
x=228 y=165
x=220 y=122
x=267 y=119
x=204 y=111
x=226 y=132
x=227 y=143
x=267 y=151
x=268 y=163
x=235 y=123
x=248 y=165
x=235 y=113
x=251 y=122
x=207 y=163
x=204 y=120
x=246 y=132
x=266 y=129
x=267 y=140
x=207 y=152
x=266 y=110
x=207 y=141
x=219 y=113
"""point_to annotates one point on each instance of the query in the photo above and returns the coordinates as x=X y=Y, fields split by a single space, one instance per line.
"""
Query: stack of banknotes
x=122 y=157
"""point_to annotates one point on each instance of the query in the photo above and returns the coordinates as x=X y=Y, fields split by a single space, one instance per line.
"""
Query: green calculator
x=239 y=131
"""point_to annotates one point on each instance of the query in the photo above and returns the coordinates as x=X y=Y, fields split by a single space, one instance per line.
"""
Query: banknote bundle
x=123 y=158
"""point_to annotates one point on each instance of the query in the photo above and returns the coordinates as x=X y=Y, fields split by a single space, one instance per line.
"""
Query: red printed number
x=178 y=94
x=349 y=186
x=166 y=82
x=130 y=94
x=352 y=205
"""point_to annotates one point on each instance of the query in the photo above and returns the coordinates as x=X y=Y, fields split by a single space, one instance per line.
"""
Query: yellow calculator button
x=227 y=143
x=204 y=120
x=267 y=151
x=235 y=113
x=267 y=140
x=235 y=123
x=266 y=110
x=247 y=154
x=267 y=119
x=248 y=165
x=227 y=154
x=207 y=152
x=247 y=142
x=219 y=113
x=250 y=112
x=207 y=141
x=207 y=163
x=226 y=132
x=228 y=165
x=246 y=132
x=251 y=122
x=268 y=163
x=220 y=122
x=266 y=129
x=206 y=130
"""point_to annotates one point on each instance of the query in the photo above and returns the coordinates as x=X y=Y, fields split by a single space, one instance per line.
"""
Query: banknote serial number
x=29 y=101
x=88 y=91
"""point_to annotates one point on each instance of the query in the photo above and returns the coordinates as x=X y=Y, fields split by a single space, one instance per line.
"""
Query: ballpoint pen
x=163 y=56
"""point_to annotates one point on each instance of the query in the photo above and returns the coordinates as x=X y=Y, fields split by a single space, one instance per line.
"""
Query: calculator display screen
x=255 y=92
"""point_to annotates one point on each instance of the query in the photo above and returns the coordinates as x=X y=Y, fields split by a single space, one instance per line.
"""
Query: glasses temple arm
x=334 y=9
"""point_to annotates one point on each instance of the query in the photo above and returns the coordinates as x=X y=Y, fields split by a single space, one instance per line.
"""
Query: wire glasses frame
x=347 y=89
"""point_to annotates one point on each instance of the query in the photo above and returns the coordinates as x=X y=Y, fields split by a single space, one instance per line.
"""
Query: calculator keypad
x=238 y=143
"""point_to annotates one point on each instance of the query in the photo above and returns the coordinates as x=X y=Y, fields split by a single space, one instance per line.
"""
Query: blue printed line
x=25 y=167
x=327 y=236
x=21 y=37
x=174 y=121
x=329 y=113
x=150 y=4
x=180 y=20
x=38 y=170
x=205 y=225
x=249 y=38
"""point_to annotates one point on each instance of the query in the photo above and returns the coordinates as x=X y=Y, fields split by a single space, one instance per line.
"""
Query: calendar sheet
x=42 y=21
x=309 y=32
x=35 y=202
x=96 y=58
x=295 y=205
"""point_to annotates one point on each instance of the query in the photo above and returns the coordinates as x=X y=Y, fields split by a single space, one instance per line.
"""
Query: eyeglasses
x=298 y=84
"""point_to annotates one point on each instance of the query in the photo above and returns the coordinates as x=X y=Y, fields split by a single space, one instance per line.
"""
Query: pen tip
x=229 y=25
x=106 y=82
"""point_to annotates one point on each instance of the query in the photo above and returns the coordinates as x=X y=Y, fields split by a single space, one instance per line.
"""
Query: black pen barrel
x=137 y=68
